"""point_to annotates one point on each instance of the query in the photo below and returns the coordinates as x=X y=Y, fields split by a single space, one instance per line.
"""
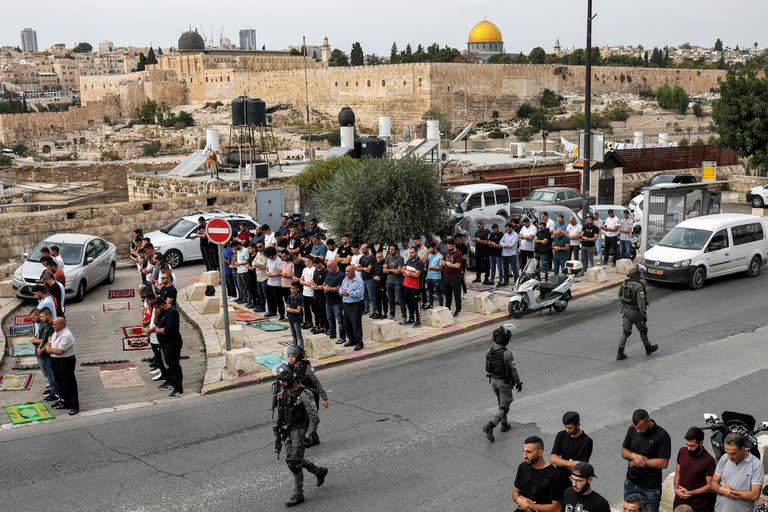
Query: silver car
x=88 y=261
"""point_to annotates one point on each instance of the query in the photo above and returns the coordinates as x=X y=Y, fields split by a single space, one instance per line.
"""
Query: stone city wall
x=151 y=186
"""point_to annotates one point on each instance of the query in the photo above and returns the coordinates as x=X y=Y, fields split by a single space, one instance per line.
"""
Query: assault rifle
x=279 y=427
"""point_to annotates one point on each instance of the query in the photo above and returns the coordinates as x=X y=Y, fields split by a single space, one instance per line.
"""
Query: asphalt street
x=403 y=430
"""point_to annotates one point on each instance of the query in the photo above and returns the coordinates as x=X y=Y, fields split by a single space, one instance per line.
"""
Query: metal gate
x=269 y=206
x=605 y=190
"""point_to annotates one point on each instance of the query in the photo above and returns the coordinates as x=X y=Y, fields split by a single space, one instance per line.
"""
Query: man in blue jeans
x=625 y=236
x=494 y=252
x=647 y=449
x=333 y=308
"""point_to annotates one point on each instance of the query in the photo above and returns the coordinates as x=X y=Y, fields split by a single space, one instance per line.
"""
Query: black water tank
x=239 y=106
x=257 y=113
x=346 y=117
x=373 y=147
x=357 y=152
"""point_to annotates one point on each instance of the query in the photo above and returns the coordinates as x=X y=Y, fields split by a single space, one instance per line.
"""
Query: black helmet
x=296 y=351
x=635 y=272
x=502 y=335
x=283 y=372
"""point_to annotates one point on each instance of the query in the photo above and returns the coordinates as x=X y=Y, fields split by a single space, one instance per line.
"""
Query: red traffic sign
x=218 y=231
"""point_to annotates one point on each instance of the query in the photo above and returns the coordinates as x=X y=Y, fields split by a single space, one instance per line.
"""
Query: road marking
x=661 y=381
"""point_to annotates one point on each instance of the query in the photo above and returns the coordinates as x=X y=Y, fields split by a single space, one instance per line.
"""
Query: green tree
x=698 y=110
x=537 y=56
x=5 y=161
x=500 y=58
x=151 y=148
x=373 y=60
x=538 y=120
x=151 y=59
x=338 y=58
x=320 y=172
x=82 y=48
x=718 y=45
x=142 y=62
x=356 y=56
x=393 y=54
x=617 y=111
x=672 y=98
x=408 y=50
x=20 y=149
x=739 y=116
x=159 y=52
x=147 y=112
x=400 y=197
x=525 y=110
x=294 y=52
x=550 y=99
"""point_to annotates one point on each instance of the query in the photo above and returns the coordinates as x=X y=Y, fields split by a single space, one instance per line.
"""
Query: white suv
x=178 y=240
x=758 y=196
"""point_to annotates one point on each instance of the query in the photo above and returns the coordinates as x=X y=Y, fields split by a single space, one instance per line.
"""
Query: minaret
x=558 y=50
x=326 y=51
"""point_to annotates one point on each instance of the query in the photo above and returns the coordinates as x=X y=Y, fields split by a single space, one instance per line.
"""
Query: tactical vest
x=627 y=294
x=300 y=374
x=292 y=412
x=495 y=365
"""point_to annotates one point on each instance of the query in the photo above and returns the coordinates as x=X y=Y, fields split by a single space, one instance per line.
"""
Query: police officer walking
x=502 y=375
x=305 y=374
x=634 y=301
x=297 y=418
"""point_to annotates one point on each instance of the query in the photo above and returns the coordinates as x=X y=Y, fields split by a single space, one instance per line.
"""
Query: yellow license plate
x=656 y=271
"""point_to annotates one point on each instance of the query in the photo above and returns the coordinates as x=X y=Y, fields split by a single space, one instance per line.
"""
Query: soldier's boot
x=321 y=474
x=296 y=499
x=649 y=349
x=488 y=429
x=620 y=356
x=505 y=427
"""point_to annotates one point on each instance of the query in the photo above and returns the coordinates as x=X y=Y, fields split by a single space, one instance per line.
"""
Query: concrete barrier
x=6 y=289
x=624 y=265
x=218 y=324
x=210 y=306
x=211 y=277
x=596 y=275
x=236 y=335
x=439 y=316
x=384 y=331
x=318 y=346
x=241 y=361
x=486 y=304
x=196 y=291
x=668 y=493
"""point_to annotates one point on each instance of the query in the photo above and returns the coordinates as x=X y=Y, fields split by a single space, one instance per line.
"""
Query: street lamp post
x=586 y=151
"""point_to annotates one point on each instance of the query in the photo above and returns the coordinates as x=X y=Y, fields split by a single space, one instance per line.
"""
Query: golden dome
x=485 y=32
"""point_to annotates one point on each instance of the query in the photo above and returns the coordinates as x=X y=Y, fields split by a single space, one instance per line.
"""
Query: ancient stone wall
x=150 y=186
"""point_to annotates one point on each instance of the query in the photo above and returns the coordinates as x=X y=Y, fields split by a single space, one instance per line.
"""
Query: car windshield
x=685 y=238
x=663 y=178
x=542 y=195
x=72 y=254
x=458 y=200
x=178 y=228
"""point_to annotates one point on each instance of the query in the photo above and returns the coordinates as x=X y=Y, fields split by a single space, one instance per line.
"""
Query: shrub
x=5 y=161
x=151 y=148
x=617 y=111
x=674 y=99
x=683 y=142
x=110 y=155
x=320 y=172
x=524 y=133
x=525 y=110
x=496 y=134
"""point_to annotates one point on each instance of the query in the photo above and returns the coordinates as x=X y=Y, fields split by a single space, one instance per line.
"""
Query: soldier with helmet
x=305 y=374
x=634 y=301
x=297 y=419
x=502 y=375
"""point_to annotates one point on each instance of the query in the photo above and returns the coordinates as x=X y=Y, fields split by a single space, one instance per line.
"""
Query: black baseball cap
x=583 y=470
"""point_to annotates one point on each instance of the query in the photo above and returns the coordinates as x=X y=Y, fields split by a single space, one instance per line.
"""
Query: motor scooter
x=733 y=422
x=531 y=294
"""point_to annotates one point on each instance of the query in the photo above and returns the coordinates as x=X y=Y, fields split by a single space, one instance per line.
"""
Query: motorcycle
x=733 y=422
x=531 y=294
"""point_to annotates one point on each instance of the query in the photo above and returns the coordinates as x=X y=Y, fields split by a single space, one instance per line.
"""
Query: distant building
x=247 y=39
x=313 y=52
x=485 y=40
x=28 y=40
x=106 y=47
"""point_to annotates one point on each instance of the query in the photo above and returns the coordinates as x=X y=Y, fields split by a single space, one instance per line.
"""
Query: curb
x=367 y=353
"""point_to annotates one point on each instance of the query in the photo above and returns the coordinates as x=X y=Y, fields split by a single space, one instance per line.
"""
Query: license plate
x=656 y=271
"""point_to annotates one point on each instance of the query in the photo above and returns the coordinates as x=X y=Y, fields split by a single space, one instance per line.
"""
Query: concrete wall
x=145 y=186
x=727 y=172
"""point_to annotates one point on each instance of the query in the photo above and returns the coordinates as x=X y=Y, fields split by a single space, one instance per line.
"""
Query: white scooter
x=533 y=295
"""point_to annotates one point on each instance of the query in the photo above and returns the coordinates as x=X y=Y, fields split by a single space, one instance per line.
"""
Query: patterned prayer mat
x=25 y=349
x=268 y=326
x=133 y=331
x=116 y=306
x=27 y=413
x=248 y=317
x=136 y=343
x=25 y=363
x=477 y=287
x=110 y=367
x=125 y=378
x=269 y=361
x=18 y=340
x=19 y=330
x=126 y=293
x=22 y=319
x=16 y=381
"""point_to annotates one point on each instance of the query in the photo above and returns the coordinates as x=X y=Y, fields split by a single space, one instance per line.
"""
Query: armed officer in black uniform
x=634 y=301
x=502 y=375
x=305 y=374
x=297 y=418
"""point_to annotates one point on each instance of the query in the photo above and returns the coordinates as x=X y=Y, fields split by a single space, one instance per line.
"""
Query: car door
x=90 y=264
x=561 y=198
x=502 y=201
x=718 y=254
x=192 y=246
x=102 y=258
x=489 y=202
x=474 y=205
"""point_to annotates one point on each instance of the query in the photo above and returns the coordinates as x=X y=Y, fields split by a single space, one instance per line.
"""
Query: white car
x=88 y=261
x=178 y=240
x=758 y=196
x=636 y=207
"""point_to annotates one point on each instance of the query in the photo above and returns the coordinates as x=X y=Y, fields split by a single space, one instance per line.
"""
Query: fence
x=667 y=159
x=521 y=187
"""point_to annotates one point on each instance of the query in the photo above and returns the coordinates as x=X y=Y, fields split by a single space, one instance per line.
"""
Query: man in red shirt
x=693 y=475
x=452 y=276
x=412 y=286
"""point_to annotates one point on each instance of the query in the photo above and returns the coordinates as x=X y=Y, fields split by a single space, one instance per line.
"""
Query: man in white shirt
x=527 y=235
x=61 y=347
x=573 y=232
x=306 y=280
x=509 y=242
x=355 y=261
x=612 y=225
x=550 y=222
x=56 y=256
x=269 y=236
x=330 y=254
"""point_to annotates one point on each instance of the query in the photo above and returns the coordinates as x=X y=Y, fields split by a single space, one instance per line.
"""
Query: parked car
x=636 y=207
x=480 y=199
x=664 y=177
x=178 y=240
x=560 y=196
x=758 y=196
x=534 y=213
x=88 y=261
x=602 y=212
x=468 y=227
x=708 y=246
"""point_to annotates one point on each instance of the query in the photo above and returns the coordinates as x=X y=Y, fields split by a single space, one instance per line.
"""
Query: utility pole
x=306 y=94
x=586 y=151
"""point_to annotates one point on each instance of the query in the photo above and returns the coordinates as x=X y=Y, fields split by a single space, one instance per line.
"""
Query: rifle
x=277 y=429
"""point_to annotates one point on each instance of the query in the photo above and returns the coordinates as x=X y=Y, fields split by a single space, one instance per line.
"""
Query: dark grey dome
x=191 y=41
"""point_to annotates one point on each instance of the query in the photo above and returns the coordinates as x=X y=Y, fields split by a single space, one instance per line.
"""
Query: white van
x=708 y=246
x=481 y=199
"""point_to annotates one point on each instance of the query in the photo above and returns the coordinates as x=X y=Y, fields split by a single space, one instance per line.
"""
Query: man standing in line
x=307 y=280
x=44 y=330
x=509 y=243
x=482 y=253
x=543 y=249
x=538 y=487
x=561 y=246
x=365 y=268
x=647 y=449
x=502 y=375
x=333 y=302
x=527 y=238
x=573 y=232
x=61 y=347
x=738 y=477
x=590 y=234
x=318 y=299
x=453 y=261
x=412 y=271
x=463 y=248
x=693 y=473
x=572 y=446
x=229 y=262
x=352 y=291
x=393 y=263
x=167 y=330
x=56 y=256
x=625 y=236
x=202 y=237
x=494 y=253
x=344 y=254
x=580 y=497
x=612 y=224
x=434 y=280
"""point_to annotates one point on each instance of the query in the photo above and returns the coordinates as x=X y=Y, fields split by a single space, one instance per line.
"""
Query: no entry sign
x=218 y=231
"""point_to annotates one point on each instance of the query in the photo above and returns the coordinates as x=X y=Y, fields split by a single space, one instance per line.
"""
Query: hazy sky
x=376 y=24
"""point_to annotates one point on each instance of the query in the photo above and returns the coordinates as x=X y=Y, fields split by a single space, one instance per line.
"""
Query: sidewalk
x=239 y=368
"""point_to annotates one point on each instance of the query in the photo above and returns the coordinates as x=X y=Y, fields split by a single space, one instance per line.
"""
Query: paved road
x=403 y=430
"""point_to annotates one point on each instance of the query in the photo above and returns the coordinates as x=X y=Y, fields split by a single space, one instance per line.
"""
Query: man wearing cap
x=580 y=497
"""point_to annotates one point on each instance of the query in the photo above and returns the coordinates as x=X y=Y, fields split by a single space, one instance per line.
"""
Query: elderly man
x=738 y=477
x=61 y=348
x=333 y=303
x=351 y=291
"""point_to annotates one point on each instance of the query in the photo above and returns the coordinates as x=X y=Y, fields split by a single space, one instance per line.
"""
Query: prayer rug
x=136 y=343
x=19 y=330
x=269 y=361
x=477 y=287
x=268 y=326
x=248 y=317
x=125 y=378
x=16 y=381
x=22 y=319
x=18 y=340
x=133 y=331
x=110 y=367
x=23 y=350
x=27 y=413
x=26 y=363
x=116 y=306
x=126 y=293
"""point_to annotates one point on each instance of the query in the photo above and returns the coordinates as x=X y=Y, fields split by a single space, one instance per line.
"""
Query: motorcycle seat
x=552 y=283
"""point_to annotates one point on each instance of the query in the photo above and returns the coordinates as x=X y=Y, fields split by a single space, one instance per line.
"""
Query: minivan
x=481 y=199
x=708 y=246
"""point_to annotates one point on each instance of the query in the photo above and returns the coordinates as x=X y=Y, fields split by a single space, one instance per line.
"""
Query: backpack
x=494 y=364
x=627 y=294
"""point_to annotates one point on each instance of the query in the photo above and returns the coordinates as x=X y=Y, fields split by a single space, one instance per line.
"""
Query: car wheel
x=502 y=213
x=80 y=295
x=757 y=202
x=754 y=266
x=174 y=258
x=111 y=274
x=697 y=278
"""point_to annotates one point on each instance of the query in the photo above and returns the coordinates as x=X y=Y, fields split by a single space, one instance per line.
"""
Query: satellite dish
x=463 y=133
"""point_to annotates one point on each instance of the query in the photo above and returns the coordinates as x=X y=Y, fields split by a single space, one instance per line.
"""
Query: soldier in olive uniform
x=305 y=374
x=297 y=418
x=634 y=300
x=502 y=375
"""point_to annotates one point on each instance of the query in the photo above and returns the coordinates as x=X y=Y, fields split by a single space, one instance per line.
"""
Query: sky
x=376 y=25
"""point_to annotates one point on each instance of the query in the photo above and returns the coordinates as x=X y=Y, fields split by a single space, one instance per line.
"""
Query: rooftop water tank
x=239 y=110
x=256 y=113
x=346 y=117
x=373 y=147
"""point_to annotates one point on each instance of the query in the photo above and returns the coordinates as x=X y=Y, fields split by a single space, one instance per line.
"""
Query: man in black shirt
x=580 y=497
x=572 y=446
x=344 y=254
x=56 y=289
x=538 y=486
x=590 y=233
x=647 y=448
x=168 y=292
x=202 y=237
x=494 y=253
x=542 y=248
x=482 y=253
x=169 y=337
x=318 y=301
x=464 y=250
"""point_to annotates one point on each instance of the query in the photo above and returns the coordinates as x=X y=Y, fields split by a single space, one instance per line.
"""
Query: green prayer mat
x=268 y=326
x=269 y=361
x=27 y=413
x=23 y=350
